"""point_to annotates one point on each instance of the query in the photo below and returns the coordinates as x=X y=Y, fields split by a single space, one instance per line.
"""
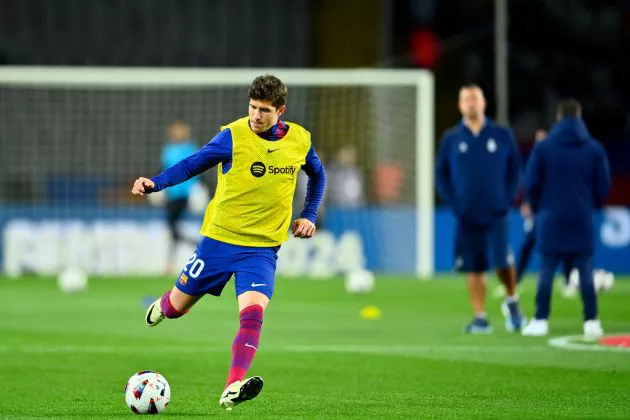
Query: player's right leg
x=203 y=274
x=173 y=304
x=539 y=326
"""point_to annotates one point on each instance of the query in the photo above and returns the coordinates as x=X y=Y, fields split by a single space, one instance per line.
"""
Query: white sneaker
x=593 y=329
x=240 y=391
x=154 y=314
x=536 y=328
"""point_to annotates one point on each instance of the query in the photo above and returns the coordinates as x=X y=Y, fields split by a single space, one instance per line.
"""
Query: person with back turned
x=567 y=179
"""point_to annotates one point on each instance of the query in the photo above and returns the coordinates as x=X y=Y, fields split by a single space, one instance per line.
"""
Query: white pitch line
x=568 y=344
x=355 y=348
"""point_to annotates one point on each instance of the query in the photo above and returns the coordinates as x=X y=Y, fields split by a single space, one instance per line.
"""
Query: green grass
x=70 y=355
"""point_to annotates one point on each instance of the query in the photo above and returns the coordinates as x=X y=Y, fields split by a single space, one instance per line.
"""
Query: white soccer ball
x=72 y=280
x=359 y=281
x=603 y=280
x=147 y=392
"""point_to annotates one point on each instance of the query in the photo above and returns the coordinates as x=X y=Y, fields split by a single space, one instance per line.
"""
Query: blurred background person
x=478 y=169
x=566 y=180
x=529 y=243
x=346 y=188
x=180 y=145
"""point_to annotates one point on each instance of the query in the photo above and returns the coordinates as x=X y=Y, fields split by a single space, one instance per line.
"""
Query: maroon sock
x=245 y=343
x=167 y=307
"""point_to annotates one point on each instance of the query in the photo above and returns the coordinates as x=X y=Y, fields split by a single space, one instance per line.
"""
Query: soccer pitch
x=71 y=355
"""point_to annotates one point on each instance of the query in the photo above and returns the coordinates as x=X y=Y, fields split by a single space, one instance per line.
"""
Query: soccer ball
x=602 y=280
x=359 y=281
x=147 y=392
x=72 y=280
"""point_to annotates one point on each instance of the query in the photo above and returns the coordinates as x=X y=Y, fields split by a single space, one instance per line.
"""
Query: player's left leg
x=504 y=262
x=254 y=282
x=237 y=390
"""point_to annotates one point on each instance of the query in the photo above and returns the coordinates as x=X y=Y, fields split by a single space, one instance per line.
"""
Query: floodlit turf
x=70 y=355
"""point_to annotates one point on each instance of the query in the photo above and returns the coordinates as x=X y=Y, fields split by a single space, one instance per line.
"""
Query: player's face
x=263 y=115
x=472 y=103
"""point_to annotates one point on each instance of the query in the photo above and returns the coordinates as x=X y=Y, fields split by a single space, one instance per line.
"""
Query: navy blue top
x=566 y=179
x=219 y=150
x=478 y=175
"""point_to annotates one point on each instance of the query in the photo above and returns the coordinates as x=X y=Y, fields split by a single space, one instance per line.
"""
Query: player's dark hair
x=269 y=88
x=570 y=108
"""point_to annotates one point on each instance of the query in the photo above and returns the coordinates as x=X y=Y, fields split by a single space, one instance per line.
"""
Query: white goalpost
x=64 y=123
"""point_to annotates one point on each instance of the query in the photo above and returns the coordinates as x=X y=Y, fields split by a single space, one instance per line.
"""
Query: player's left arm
x=514 y=168
x=304 y=227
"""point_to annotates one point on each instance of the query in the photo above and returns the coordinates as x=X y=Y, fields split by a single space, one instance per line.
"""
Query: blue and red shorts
x=213 y=264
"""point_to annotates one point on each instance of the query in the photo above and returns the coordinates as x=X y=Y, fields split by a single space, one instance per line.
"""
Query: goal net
x=74 y=140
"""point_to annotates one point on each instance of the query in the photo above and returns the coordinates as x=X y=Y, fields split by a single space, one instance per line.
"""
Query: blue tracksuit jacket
x=478 y=175
x=566 y=179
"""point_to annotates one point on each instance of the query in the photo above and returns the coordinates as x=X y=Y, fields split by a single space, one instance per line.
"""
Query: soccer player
x=566 y=179
x=258 y=160
x=478 y=170
x=180 y=146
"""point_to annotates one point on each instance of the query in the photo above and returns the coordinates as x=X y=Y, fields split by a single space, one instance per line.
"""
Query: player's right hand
x=142 y=186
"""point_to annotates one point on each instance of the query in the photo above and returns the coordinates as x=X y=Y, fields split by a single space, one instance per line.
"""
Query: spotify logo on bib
x=258 y=169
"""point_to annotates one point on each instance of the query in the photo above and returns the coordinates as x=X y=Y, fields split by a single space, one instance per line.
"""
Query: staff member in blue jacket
x=567 y=178
x=478 y=170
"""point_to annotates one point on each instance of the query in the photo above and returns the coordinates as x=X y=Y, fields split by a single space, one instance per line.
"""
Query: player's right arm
x=218 y=150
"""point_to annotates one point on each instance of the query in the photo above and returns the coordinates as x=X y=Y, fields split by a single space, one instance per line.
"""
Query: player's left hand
x=303 y=228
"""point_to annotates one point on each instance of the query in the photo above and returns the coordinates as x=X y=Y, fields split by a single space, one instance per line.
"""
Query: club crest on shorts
x=183 y=279
x=492 y=145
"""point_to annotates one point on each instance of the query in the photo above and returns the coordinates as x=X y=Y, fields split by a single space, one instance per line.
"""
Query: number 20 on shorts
x=196 y=266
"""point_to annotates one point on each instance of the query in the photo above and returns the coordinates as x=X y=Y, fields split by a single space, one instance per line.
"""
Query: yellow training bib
x=253 y=202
